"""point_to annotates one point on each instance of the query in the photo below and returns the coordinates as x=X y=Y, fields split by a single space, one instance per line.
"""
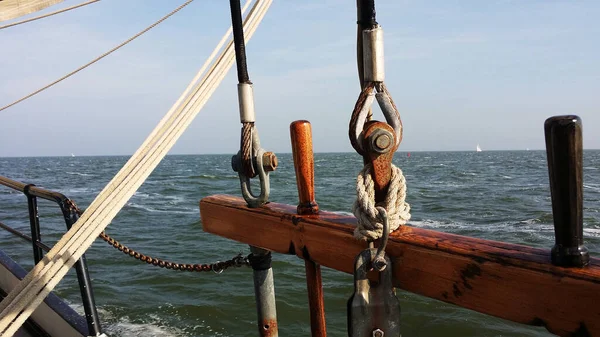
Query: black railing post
x=83 y=276
x=564 y=149
x=34 y=223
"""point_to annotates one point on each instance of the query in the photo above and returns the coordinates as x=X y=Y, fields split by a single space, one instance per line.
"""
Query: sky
x=461 y=72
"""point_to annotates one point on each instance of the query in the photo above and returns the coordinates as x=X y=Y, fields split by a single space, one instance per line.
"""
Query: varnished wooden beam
x=510 y=281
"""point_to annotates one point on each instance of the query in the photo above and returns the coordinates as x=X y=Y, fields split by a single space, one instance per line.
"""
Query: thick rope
x=11 y=9
x=369 y=227
x=97 y=58
x=48 y=14
x=30 y=292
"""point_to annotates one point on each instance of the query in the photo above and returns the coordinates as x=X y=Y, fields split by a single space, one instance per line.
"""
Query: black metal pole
x=564 y=149
x=85 y=284
x=34 y=223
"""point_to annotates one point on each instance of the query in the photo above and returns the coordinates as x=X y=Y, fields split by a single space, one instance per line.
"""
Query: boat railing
x=556 y=288
x=70 y=216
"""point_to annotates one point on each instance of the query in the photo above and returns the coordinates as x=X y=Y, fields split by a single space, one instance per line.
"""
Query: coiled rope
x=48 y=14
x=369 y=226
x=31 y=291
x=97 y=58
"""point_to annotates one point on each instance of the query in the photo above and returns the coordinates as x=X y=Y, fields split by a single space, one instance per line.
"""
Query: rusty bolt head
x=381 y=141
x=269 y=161
x=378 y=333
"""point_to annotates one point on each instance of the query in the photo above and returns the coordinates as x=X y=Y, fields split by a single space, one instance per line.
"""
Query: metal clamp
x=261 y=167
x=361 y=111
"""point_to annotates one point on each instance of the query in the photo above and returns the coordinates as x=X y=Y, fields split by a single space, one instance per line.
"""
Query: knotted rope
x=369 y=227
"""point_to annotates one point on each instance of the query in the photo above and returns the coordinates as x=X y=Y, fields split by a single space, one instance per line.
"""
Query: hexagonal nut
x=269 y=161
x=378 y=333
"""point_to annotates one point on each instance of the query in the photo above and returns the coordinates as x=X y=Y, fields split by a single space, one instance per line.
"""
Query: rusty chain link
x=217 y=267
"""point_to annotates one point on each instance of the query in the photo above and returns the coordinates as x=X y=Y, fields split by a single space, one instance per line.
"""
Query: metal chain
x=217 y=267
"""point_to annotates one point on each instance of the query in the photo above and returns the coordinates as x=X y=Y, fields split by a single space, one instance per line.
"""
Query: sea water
x=501 y=196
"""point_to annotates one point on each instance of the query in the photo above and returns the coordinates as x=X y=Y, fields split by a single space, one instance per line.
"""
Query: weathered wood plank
x=509 y=281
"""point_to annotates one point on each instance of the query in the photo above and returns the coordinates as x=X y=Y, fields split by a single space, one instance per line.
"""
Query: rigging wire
x=97 y=58
x=238 y=41
x=48 y=14
x=365 y=19
x=367 y=14
x=243 y=78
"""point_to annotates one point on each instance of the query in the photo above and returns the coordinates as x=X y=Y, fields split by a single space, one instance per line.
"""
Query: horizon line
x=222 y=154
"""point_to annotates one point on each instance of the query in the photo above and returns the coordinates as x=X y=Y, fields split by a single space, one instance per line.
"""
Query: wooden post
x=301 y=135
x=564 y=149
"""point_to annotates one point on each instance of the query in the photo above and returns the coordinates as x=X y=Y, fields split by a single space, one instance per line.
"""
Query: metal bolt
x=381 y=141
x=269 y=161
x=378 y=333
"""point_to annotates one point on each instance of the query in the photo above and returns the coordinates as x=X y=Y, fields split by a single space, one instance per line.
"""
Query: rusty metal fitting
x=381 y=141
x=270 y=161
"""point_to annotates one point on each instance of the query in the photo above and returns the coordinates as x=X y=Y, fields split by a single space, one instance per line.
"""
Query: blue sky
x=461 y=73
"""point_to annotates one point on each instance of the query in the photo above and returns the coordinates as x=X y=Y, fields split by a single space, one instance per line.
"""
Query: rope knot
x=369 y=226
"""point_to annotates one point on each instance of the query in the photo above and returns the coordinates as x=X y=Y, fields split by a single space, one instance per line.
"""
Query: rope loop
x=370 y=226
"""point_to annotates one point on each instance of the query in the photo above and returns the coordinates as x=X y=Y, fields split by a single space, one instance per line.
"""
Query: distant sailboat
x=72 y=155
x=478 y=149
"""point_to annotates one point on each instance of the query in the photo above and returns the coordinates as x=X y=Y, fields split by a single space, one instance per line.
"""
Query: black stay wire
x=238 y=41
x=367 y=15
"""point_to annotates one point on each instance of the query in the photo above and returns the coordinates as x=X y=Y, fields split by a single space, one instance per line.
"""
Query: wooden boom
x=509 y=281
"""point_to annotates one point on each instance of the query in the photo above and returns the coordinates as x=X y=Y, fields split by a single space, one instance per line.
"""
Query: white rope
x=11 y=9
x=21 y=302
x=48 y=14
x=369 y=227
x=97 y=58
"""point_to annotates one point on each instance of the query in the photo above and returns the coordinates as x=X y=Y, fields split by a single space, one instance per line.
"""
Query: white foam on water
x=591 y=187
x=593 y=232
x=154 y=210
x=79 y=174
x=126 y=329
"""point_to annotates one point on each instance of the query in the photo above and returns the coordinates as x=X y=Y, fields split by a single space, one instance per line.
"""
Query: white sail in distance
x=11 y=9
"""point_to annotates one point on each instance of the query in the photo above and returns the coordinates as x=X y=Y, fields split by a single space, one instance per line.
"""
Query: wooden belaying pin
x=301 y=136
x=304 y=165
x=564 y=150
